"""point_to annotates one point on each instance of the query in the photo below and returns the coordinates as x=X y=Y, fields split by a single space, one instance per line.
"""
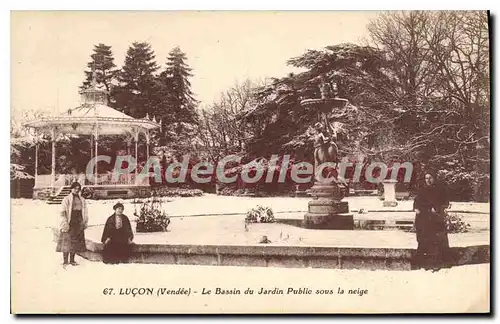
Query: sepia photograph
x=250 y=162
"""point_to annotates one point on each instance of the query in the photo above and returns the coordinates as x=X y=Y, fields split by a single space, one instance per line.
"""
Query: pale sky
x=50 y=50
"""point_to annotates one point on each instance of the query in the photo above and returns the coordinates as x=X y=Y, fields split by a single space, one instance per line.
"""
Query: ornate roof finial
x=94 y=79
x=147 y=116
x=93 y=83
x=154 y=118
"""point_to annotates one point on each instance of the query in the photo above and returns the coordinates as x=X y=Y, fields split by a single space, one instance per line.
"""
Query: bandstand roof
x=84 y=119
x=93 y=115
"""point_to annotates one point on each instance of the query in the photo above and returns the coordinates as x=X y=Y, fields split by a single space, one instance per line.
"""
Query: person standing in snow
x=73 y=221
x=430 y=224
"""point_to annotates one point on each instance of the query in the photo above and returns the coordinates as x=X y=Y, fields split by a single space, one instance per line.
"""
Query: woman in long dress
x=117 y=237
x=430 y=224
x=73 y=221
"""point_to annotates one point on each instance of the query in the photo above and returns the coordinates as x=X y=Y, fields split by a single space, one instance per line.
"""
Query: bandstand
x=96 y=119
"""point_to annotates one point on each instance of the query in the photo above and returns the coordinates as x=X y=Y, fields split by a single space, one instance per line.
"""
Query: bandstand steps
x=58 y=199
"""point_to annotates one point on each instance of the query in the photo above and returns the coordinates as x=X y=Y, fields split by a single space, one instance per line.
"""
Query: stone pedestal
x=390 y=193
x=326 y=210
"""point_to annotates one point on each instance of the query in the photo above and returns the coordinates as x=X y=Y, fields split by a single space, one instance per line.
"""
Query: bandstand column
x=147 y=145
x=53 y=171
x=147 y=152
x=136 y=138
x=96 y=139
x=91 y=146
x=91 y=154
x=36 y=158
x=129 y=143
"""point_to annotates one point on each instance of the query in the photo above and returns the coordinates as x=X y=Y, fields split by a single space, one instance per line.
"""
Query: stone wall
x=285 y=256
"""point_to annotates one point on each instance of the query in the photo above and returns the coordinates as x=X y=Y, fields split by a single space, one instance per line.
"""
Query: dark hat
x=118 y=205
x=76 y=184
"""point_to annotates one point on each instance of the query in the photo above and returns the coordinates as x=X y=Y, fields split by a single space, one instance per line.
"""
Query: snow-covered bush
x=455 y=224
x=151 y=217
x=260 y=214
x=177 y=192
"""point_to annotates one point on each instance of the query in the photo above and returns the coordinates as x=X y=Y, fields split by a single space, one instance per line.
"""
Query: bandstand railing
x=43 y=181
x=61 y=180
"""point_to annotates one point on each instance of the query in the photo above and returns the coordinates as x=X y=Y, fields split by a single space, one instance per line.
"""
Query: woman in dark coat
x=117 y=237
x=430 y=223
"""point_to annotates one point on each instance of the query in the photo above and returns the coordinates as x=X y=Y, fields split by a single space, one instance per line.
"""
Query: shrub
x=176 y=192
x=260 y=214
x=87 y=193
x=151 y=217
x=455 y=224
x=462 y=183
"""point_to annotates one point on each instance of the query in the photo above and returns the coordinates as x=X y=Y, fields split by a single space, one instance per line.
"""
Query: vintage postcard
x=181 y=162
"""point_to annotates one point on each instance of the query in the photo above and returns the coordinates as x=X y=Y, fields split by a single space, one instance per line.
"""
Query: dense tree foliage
x=136 y=91
x=101 y=66
x=418 y=90
x=176 y=107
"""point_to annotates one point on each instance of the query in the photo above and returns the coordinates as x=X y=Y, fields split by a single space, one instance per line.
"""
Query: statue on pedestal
x=325 y=148
x=327 y=210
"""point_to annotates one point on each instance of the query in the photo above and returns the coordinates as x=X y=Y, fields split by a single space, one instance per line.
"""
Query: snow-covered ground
x=230 y=230
x=40 y=284
x=39 y=213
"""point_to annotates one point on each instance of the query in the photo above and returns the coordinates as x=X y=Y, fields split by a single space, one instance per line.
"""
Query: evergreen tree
x=136 y=93
x=176 y=106
x=175 y=80
x=103 y=64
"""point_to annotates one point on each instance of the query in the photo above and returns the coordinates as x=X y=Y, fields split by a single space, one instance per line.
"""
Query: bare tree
x=221 y=130
x=439 y=62
x=459 y=42
x=401 y=36
x=22 y=141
